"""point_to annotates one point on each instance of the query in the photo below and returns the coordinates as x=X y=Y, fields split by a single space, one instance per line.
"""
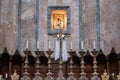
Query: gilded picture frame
x=58 y=18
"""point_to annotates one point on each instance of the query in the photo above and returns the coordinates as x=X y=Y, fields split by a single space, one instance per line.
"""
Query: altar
x=64 y=44
x=44 y=67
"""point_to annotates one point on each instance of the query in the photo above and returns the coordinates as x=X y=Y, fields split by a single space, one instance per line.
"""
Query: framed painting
x=58 y=19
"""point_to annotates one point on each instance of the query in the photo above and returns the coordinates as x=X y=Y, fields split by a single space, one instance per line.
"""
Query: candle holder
x=71 y=53
x=26 y=60
x=82 y=67
x=60 y=74
x=94 y=52
x=49 y=77
x=82 y=53
x=37 y=66
x=49 y=52
x=25 y=74
x=71 y=74
x=37 y=52
x=95 y=74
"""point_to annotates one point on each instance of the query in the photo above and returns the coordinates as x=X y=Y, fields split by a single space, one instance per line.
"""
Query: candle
x=37 y=44
x=93 y=44
x=71 y=45
x=81 y=44
x=48 y=44
x=27 y=44
x=6 y=75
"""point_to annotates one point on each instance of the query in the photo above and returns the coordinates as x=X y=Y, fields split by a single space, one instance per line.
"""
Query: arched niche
x=119 y=62
x=31 y=63
x=43 y=60
x=17 y=63
x=76 y=65
x=113 y=62
x=101 y=62
x=4 y=62
x=88 y=59
x=43 y=65
x=76 y=60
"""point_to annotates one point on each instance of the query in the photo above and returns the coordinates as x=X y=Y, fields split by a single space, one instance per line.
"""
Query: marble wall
x=109 y=24
x=89 y=23
x=8 y=25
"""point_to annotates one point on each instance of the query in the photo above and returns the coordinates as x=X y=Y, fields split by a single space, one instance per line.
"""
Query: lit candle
x=48 y=44
x=37 y=44
x=27 y=44
x=71 y=45
x=81 y=44
x=93 y=44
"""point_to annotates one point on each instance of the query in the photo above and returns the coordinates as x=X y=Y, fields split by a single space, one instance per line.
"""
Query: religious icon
x=59 y=24
x=58 y=19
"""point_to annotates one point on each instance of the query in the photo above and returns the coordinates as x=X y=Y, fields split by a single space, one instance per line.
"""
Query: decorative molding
x=19 y=25
x=98 y=24
x=49 y=10
x=80 y=24
x=37 y=22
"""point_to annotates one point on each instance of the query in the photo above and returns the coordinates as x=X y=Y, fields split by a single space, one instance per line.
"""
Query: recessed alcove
x=58 y=13
x=4 y=60
x=16 y=63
